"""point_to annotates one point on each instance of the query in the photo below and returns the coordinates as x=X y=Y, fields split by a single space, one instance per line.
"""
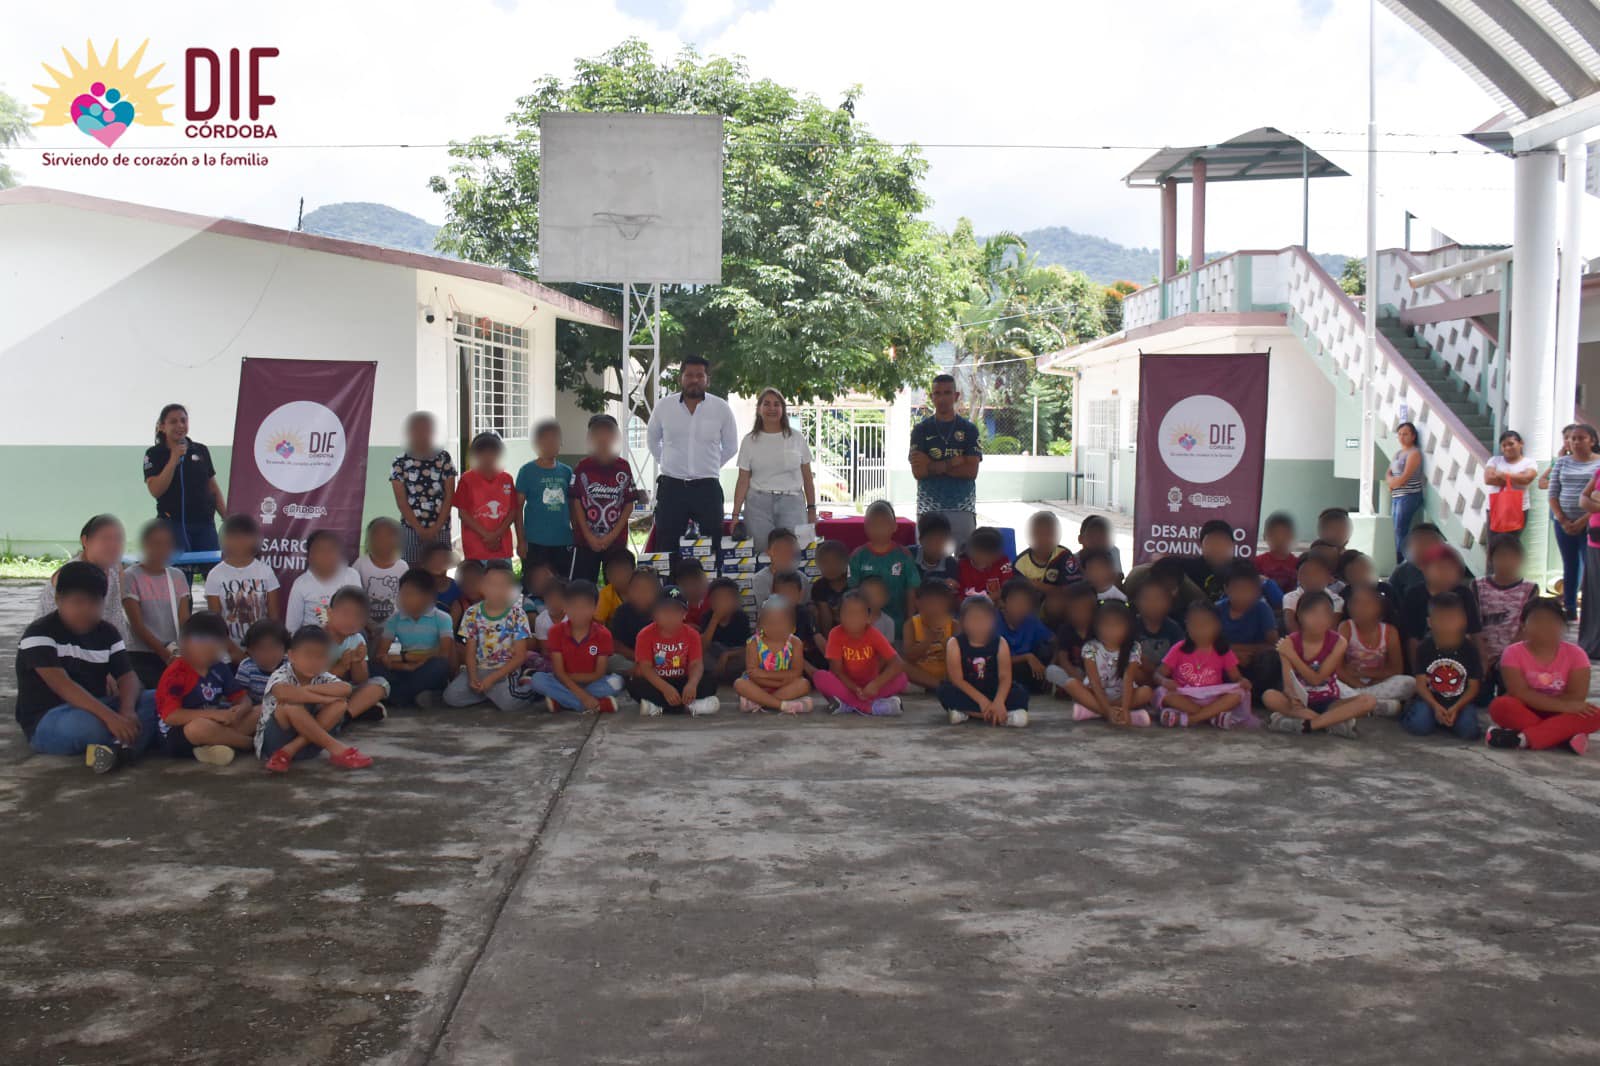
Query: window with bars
x=1100 y=434
x=494 y=358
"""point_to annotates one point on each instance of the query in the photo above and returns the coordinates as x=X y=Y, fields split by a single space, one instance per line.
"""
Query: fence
x=848 y=452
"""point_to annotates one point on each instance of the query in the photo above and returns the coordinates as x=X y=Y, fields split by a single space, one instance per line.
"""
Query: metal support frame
x=641 y=343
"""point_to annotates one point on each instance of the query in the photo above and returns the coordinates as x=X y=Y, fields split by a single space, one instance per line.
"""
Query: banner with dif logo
x=300 y=454
x=1202 y=451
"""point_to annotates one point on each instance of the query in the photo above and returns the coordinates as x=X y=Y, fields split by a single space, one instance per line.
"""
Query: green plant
x=1003 y=446
x=1059 y=447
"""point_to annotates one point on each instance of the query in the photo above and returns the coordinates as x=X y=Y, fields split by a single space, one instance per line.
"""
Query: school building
x=115 y=309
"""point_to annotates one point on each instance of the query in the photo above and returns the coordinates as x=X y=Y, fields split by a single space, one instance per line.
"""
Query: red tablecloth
x=850 y=530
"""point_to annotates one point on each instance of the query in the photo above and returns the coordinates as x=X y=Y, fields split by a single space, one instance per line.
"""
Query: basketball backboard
x=626 y=197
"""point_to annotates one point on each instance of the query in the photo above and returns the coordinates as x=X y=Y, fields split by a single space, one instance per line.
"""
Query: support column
x=1569 y=295
x=1169 y=229
x=1197 y=226
x=1530 y=361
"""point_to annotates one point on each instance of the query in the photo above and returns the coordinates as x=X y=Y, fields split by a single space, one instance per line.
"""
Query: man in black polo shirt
x=64 y=661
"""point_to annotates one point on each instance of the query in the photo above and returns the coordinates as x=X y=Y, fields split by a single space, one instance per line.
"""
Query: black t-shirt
x=733 y=633
x=823 y=591
x=1448 y=669
x=188 y=498
x=1414 y=611
x=626 y=624
x=1069 y=640
x=88 y=658
x=980 y=666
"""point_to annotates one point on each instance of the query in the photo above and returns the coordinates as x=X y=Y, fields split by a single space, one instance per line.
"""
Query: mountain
x=1106 y=261
x=377 y=224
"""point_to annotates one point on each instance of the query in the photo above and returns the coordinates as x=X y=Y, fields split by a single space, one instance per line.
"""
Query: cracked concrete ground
x=504 y=889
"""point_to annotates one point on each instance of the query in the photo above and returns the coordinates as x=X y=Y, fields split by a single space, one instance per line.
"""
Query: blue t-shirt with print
x=546 y=517
x=418 y=634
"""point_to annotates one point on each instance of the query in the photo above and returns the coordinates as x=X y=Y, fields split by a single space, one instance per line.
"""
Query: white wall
x=134 y=314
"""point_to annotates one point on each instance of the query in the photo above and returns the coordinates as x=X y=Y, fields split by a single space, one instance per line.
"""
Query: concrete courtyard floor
x=561 y=889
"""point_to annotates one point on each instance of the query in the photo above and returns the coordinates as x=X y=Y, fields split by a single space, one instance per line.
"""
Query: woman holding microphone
x=179 y=474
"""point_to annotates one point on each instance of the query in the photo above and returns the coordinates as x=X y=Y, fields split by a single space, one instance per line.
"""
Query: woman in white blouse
x=775 y=490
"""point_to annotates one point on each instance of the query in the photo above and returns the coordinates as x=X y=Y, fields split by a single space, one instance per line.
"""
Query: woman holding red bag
x=1508 y=476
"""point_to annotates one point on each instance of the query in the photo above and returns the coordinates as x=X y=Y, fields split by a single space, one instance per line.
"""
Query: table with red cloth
x=849 y=530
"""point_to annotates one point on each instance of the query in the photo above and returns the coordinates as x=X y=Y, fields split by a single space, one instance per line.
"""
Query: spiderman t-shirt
x=602 y=490
x=1448 y=669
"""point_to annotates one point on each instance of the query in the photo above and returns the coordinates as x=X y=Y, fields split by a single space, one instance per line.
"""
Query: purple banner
x=1202 y=451
x=300 y=440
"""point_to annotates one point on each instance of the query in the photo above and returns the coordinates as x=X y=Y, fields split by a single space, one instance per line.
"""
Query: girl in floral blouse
x=424 y=481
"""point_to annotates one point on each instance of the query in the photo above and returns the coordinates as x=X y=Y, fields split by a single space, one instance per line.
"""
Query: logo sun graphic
x=102 y=98
x=285 y=443
x=1186 y=438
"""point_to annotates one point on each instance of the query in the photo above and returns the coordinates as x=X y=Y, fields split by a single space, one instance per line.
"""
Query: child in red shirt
x=984 y=568
x=1279 y=562
x=578 y=649
x=669 y=674
x=865 y=674
x=486 y=497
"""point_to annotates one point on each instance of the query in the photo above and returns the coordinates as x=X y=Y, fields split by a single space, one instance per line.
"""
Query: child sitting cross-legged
x=1375 y=655
x=978 y=667
x=347 y=623
x=1028 y=639
x=1449 y=676
x=1313 y=700
x=669 y=675
x=927 y=633
x=1113 y=672
x=204 y=710
x=774 y=677
x=1199 y=680
x=266 y=644
x=419 y=644
x=305 y=708
x=1071 y=635
x=579 y=650
x=497 y=634
x=865 y=675
x=1546 y=679
x=1249 y=624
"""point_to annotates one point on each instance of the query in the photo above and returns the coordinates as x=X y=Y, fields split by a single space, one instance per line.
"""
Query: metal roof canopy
x=1264 y=154
x=1539 y=60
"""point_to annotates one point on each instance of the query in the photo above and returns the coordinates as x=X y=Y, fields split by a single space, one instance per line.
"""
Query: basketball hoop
x=628 y=226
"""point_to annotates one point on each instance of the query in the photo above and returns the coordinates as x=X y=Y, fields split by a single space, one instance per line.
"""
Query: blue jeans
x=1419 y=721
x=406 y=685
x=1404 y=510
x=550 y=687
x=1572 y=548
x=69 y=730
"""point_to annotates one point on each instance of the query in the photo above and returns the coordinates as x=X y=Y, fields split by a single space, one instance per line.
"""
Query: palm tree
x=14 y=128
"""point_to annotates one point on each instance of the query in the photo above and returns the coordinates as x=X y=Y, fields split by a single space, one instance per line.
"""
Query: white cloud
x=1160 y=72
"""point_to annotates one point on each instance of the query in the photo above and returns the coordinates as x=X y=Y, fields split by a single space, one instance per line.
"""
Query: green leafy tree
x=1015 y=310
x=14 y=129
x=1354 y=278
x=830 y=281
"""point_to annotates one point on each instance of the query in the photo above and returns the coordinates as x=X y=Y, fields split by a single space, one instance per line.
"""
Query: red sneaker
x=351 y=759
x=607 y=706
x=278 y=762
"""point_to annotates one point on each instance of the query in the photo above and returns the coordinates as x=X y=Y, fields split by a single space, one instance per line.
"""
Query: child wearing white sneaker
x=774 y=663
x=1375 y=655
x=978 y=671
x=1112 y=668
x=669 y=672
x=865 y=674
x=1199 y=680
x=1313 y=700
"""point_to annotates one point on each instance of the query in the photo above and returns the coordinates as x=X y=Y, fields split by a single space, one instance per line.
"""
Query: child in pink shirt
x=1199 y=677
x=1546 y=681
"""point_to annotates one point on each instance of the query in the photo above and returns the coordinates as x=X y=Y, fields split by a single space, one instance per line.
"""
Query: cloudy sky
x=1135 y=76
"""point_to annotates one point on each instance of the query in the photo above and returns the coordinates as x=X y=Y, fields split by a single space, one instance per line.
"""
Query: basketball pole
x=641 y=315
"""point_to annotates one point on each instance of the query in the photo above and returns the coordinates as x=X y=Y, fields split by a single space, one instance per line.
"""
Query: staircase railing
x=1467 y=349
x=1331 y=327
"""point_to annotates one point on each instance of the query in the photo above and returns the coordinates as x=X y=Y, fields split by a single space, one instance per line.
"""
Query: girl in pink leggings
x=1547 y=687
x=864 y=673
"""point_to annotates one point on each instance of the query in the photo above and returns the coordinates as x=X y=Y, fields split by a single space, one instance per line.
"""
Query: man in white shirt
x=692 y=436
